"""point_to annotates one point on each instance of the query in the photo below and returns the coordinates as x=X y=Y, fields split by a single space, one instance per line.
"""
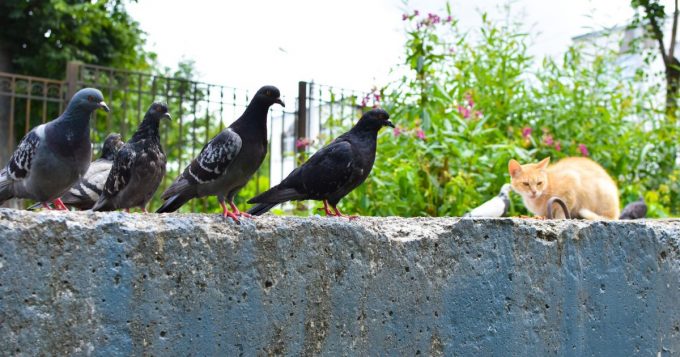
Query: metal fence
x=200 y=110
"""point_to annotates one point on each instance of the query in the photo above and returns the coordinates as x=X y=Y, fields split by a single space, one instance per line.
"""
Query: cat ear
x=514 y=167
x=544 y=163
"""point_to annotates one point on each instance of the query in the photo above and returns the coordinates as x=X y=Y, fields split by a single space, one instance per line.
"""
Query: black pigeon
x=332 y=172
x=635 y=210
x=53 y=156
x=495 y=207
x=226 y=162
x=138 y=167
x=85 y=193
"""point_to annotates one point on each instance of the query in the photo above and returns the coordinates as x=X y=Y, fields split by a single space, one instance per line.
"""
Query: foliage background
x=467 y=104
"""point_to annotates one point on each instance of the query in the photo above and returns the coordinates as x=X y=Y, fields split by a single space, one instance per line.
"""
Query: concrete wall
x=119 y=284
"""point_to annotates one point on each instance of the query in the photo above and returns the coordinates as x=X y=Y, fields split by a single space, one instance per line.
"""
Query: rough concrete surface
x=195 y=285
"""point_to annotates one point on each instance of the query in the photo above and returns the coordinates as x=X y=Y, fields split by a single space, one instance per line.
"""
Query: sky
x=349 y=44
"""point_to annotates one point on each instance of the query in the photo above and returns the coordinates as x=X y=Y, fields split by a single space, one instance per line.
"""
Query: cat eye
x=526 y=184
x=540 y=183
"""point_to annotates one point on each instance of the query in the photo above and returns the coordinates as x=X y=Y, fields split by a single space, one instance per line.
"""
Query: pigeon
x=332 y=172
x=635 y=210
x=138 y=167
x=495 y=207
x=53 y=156
x=226 y=163
x=86 y=192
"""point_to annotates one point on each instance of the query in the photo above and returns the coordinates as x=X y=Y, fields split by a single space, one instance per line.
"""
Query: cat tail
x=590 y=215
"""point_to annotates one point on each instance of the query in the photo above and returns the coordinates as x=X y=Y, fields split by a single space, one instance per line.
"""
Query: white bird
x=495 y=207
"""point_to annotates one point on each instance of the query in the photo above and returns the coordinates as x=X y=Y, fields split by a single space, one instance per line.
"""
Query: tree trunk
x=672 y=87
x=5 y=66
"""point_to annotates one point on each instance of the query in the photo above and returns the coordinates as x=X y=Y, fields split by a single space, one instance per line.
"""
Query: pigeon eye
x=269 y=93
x=90 y=98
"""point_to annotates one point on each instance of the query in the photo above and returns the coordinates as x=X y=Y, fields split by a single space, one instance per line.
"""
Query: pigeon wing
x=214 y=158
x=121 y=171
x=327 y=170
x=19 y=165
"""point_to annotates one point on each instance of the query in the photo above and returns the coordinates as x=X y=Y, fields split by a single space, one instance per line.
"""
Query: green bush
x=465 y=105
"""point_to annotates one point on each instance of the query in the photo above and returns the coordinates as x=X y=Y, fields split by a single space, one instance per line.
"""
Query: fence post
x=72 y=71
x=302 y=119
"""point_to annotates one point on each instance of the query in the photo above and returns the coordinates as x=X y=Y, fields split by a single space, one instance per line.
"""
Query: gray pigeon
x=53 y=156
x=228 y=161
x=332 y=172
x=138 y=167
x=495 y=207
x=86 y=192
x=635 y=210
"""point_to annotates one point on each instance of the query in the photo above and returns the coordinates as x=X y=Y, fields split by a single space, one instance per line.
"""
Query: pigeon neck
x=253 y=118
x=148 y=129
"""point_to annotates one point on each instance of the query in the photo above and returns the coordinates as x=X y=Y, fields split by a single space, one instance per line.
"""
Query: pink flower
x=364 y=102
x=558 y=147
x=449 y=18
x=583 y=149
x=396 y=131
x=452 y=50
x=404 y=17
x=433 y=18
x=415 y=13
x=376 y=97
x=420 y=134
x=526 y=132
x=478 y=114
x=548 y=140
x=302 y=143
x=464 y=112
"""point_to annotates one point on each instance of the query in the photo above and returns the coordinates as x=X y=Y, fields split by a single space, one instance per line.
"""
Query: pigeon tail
x=104 y=205
x=277 y=194
x=5 y=188
x=173 y=203
x=261 y=208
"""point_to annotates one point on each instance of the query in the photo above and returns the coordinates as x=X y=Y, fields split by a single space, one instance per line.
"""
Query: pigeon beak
x=103 y=105
x=167 y=116
x=278 y=100
x=389 y=123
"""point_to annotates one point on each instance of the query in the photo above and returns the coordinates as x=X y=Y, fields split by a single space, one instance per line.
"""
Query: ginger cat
x=585 y=187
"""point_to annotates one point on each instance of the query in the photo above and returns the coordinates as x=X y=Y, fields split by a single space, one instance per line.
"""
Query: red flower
x=396 y=131
x=583 y=149
x=526 y=132
x=465 y=112
x=548 y=140
x=302 y=143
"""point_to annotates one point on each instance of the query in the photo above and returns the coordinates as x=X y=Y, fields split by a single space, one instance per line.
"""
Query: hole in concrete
x=163 y=333
x=663 y=254
x=39 y=264
x=351 y=255
x=268 y=284
x=510 y=276
x=407 y=269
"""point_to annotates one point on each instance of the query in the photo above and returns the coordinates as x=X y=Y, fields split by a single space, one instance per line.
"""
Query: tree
x=40 y=36
x=653 y=18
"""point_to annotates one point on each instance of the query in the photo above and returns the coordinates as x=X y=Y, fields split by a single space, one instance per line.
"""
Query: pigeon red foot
x=239 y=213
x=336 y=212
x=226 y=213
x=59 y=205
